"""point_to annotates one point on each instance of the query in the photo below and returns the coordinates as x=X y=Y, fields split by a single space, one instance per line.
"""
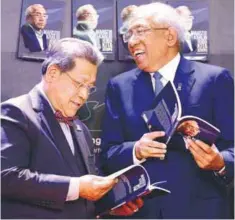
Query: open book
x=133 y=182
x=166 y=116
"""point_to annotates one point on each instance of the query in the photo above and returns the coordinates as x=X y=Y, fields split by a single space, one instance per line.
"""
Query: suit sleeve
x=24 y=35
x=224 y=117
x=19 y=182
x=114 y=146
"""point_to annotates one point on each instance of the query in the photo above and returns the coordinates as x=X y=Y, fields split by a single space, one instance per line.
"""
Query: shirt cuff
x=73 y=192
x=135 y=160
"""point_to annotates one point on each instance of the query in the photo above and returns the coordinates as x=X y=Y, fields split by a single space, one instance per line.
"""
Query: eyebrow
x=92 y=83
x=139 y=26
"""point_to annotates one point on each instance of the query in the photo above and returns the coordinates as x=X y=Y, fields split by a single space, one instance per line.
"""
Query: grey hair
x=64 y=52
x=83 y=12
x=161 y=13
x=30 y=10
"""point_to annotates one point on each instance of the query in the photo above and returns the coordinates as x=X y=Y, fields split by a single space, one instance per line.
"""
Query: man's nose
x=83 y=93
x=133 y=40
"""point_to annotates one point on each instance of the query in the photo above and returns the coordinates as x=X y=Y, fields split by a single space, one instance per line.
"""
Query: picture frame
x=40 y=26
x=102 y=34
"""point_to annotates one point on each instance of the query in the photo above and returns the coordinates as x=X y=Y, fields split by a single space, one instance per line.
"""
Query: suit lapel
x=34 y=38
x=52 y=128
x=143 y=92
x=184 y=81
x=84 y=148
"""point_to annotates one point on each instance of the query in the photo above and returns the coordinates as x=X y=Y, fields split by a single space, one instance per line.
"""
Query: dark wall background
x=19 y=76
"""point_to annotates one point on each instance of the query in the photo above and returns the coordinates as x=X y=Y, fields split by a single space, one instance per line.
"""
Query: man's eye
x=140 y=31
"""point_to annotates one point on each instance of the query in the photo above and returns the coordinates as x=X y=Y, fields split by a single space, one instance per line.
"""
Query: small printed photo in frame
x=93 y=21
x=40 y=26
x=195 y=18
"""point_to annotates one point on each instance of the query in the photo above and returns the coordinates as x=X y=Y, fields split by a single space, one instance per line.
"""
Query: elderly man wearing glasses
x=35 y=40
x=48 y=168
x=198 y=176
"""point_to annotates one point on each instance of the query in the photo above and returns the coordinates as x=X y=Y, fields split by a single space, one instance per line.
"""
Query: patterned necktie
x=67 y=120
x=158 y=83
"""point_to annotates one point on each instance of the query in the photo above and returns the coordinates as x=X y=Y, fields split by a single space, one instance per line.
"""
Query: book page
x=197 y=128
x=118 y=173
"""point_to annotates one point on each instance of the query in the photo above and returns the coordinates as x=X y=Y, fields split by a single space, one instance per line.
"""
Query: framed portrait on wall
x=40 y=26
x=93 y=21
x=195 y=15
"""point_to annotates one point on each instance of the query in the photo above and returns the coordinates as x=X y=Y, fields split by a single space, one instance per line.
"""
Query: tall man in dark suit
x=198 y=176
x=34 y=38
x=47 y=162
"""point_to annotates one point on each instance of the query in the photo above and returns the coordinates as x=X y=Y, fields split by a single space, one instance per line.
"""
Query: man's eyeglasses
x=91 y=15
x=38 y=15
x=78 y=85
x=138 y=32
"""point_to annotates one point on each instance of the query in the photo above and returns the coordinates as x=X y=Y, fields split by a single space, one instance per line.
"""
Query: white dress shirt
x=188 y=40
x=168 y=74
x=39 y=36
x=73 y=192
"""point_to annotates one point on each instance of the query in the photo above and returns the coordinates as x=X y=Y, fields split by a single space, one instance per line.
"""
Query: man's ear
x=52 y=73
x=171 y=37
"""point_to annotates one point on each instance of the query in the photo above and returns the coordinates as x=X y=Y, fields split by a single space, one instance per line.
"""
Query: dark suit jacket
x=30 y=39
x=207 y=92
x=82 y=32
x=37 y=161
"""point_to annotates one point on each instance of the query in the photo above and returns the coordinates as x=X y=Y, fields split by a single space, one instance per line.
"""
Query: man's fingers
x=195 y=146
x=105 y=184
x=156 y=144
x=127 y=210
x=154 y=134
x=132 y=206
x=139 y=202
x=196 y=155
x=204 y=146
x=199 y=155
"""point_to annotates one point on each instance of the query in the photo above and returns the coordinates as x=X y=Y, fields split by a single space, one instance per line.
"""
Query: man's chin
x=143 y=67
x=38 y=28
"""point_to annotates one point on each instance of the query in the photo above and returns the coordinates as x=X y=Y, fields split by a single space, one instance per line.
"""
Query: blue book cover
x=165 y=115
x=133 y=182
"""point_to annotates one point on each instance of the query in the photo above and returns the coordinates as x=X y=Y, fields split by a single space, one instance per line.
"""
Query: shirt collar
x=40 y=88
x=169 y=70
x=37 y=32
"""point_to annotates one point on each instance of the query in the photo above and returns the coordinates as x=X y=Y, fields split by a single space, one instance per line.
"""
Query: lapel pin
x=179 y=87
x=78 y=128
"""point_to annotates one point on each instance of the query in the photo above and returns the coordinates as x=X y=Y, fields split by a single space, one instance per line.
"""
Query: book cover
x=165 y=115
x=133 y=182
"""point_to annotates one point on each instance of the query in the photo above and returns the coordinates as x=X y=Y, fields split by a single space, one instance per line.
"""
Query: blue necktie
x=158 y=83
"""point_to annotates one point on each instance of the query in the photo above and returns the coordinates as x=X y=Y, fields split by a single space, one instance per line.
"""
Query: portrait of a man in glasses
x=34 y=37
x=87 y=21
